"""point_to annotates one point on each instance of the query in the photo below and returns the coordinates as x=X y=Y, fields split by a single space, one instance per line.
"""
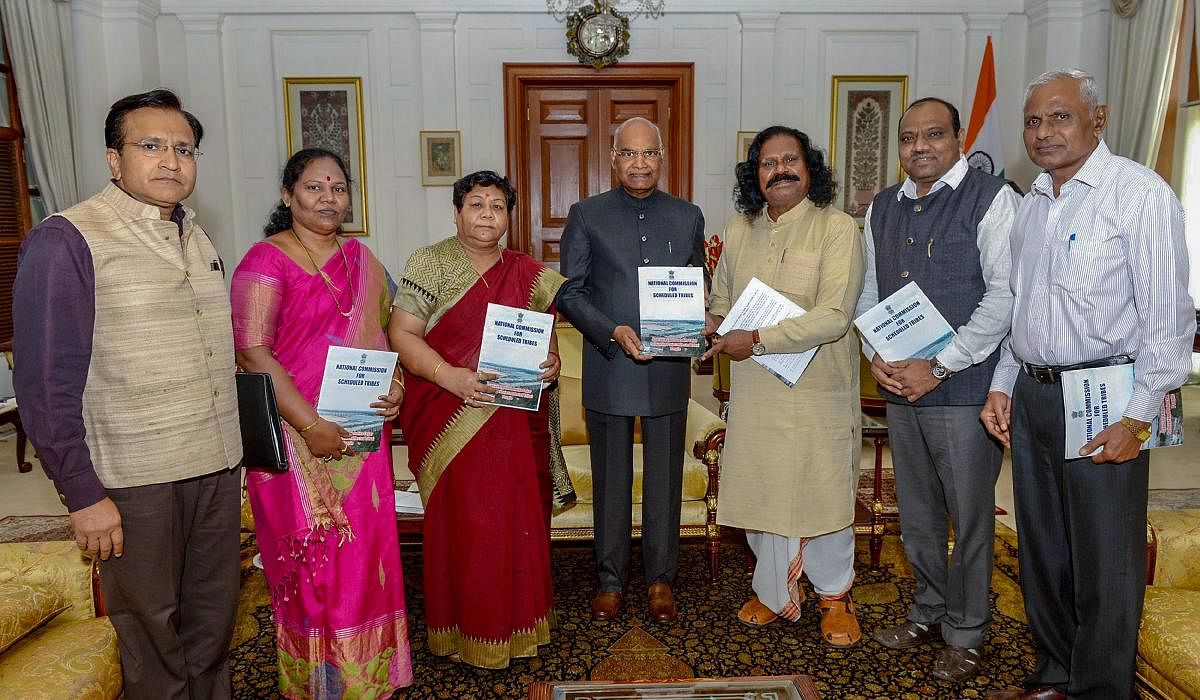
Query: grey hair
x=639 y=120
x=1086 y=81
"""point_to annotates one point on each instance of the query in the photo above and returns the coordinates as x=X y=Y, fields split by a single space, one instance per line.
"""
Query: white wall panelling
x=437 y=64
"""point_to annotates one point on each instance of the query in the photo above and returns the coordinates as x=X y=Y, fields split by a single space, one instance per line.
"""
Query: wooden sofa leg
x=708 y=451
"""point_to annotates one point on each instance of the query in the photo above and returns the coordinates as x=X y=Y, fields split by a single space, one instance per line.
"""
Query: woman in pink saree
x=326 y=528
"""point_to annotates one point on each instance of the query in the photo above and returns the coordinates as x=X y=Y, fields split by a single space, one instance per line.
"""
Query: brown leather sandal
x=839 y=625
x=755 y=614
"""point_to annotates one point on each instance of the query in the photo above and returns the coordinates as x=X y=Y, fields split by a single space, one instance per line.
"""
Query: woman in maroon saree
x=483 y=471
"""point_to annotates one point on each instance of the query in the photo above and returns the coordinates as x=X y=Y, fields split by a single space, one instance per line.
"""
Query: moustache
x=781 y=177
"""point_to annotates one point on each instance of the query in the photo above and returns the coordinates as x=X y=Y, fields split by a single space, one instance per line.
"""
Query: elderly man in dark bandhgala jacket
x=606 y=239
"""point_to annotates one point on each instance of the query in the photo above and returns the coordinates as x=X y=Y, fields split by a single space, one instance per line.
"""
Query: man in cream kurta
x=789 y=466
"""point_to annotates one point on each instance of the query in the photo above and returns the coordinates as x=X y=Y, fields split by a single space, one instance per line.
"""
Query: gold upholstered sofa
x=52 y=644
x=704 y=439
x=1168 y=660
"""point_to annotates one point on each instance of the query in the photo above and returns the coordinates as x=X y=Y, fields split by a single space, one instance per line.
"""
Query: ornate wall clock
x=598 y=35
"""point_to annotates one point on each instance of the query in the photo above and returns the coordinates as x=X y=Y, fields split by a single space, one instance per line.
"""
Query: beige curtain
x=1141 y=61
x=38 y=34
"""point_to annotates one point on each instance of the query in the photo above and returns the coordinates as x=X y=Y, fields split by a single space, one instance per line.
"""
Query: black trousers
x=1082 y=549
x=611 y=443
x=173 y=596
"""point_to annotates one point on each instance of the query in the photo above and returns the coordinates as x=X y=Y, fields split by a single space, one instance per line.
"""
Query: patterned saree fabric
x=483 y=472
x=326 y=530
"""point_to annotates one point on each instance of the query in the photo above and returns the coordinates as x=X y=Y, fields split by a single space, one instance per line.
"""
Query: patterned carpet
x=706 y=640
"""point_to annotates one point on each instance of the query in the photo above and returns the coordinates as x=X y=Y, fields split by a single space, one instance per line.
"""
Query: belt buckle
x=1040 y=374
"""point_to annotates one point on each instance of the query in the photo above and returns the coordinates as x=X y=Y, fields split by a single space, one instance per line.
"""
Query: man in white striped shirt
x=1099 y=277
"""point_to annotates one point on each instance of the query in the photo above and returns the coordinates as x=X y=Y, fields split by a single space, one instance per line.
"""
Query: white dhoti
x=827 y=559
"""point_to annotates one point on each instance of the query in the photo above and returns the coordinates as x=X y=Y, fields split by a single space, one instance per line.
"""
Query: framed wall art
x=744 y=139
x=863 y=150
x=328 y=113
x=441 y=157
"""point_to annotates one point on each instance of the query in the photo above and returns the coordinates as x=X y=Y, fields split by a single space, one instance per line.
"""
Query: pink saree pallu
x=483 y=472
x=326 y=530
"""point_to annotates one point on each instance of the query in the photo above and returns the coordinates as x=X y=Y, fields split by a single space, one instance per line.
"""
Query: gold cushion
x=68 y=661
x=1177 y=564
x=579 y=466
x=573 y=420
x=24 y=607
x=59 y=566
x=1169 y=637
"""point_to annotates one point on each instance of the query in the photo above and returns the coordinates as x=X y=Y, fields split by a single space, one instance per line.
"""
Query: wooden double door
x=559 y=124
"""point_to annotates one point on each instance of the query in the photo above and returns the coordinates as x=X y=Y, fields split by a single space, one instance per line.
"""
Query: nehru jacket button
x=199 y=312
x=646 y=260
x=216 y=393
x=917 y=208
x=904 y=274
x=643 y=239
x=909 y=240
x=641 y=216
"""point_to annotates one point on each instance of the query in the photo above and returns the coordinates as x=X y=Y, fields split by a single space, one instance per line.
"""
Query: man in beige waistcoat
x=790 y=463
x=125 y=381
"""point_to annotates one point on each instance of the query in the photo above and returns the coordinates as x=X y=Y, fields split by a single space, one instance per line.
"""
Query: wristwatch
x=1140 y=433
x=939 y=371
x=757 y=348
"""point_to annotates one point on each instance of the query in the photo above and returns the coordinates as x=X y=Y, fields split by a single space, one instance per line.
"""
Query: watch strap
x=1139 y=433
x=754 y=339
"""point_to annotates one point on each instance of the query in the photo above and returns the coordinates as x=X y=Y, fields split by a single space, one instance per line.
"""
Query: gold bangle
x=433 y=377
x=398 y=382
x=310 y=426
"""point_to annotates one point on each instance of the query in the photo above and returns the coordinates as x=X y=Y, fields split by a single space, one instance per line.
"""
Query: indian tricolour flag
x=983 y=132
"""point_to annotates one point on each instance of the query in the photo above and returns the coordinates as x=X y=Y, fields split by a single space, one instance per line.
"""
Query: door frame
x=518 y=77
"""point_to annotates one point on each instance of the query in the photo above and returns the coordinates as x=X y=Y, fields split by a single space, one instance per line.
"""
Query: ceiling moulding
x=260 y=7
x=145 y=10
x=1043 y=10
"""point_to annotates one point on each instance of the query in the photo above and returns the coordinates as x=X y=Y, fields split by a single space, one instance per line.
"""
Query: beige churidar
x=790 y=464
x=160 y=403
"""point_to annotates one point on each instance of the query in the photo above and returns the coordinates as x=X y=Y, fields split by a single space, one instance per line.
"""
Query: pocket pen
x=1070 y=240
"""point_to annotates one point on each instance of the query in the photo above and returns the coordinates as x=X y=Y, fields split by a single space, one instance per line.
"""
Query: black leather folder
x=262 y=432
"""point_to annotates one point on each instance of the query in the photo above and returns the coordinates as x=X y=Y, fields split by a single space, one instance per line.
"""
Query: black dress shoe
x=956 y=664
x=907 y=635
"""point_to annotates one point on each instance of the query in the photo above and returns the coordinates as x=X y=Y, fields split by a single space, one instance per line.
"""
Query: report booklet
x=759 y=306
x=354 y=379
x=1095 y=398
x=672 y=310
x=515 y=342
x=905 y=325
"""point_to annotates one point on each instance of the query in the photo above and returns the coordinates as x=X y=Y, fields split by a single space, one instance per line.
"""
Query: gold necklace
x=329 y=285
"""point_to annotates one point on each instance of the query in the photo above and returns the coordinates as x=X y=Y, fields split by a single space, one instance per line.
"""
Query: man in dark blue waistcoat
x=946 y=228
x=606 y=239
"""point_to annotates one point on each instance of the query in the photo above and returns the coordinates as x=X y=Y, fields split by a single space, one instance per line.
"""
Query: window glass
x=1189 y=189
x=5 y=107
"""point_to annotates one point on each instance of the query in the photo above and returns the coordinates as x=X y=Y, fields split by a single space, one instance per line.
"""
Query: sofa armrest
x=59 y=565
x=1175 y=535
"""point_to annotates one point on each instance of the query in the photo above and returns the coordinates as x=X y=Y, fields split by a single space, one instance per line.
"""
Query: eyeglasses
x=158 y=149
x=788 y=161
x=630 y=154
